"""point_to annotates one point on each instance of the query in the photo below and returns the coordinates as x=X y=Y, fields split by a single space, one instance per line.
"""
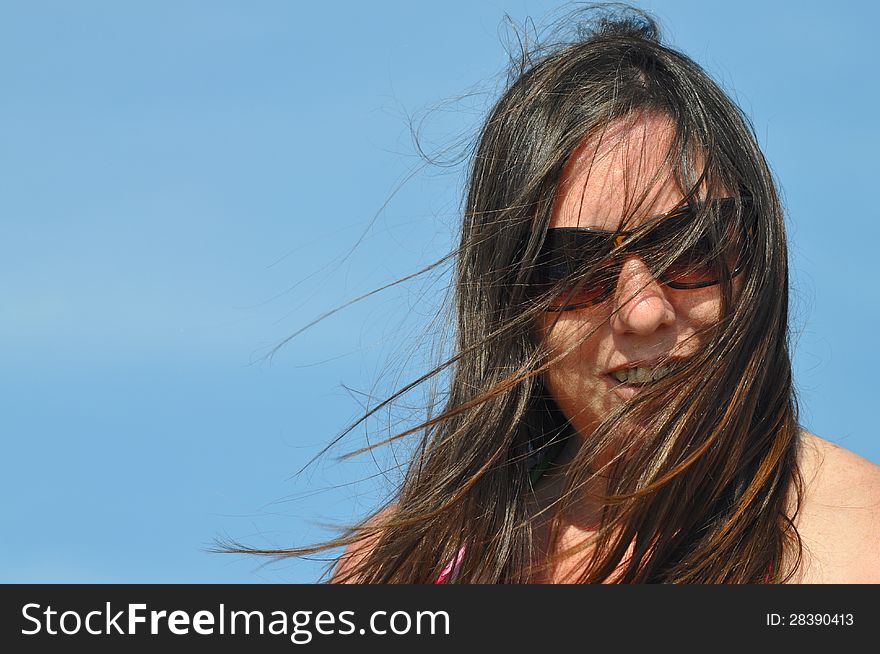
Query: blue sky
x=182 y=186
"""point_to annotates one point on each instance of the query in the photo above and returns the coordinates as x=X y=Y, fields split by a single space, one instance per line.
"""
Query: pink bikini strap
x=450 y=572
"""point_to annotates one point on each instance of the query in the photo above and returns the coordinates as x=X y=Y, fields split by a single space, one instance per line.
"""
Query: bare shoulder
x=839 y=518
x=358 y=551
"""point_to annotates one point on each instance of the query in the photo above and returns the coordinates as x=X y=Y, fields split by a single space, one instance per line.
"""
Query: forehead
x=623 y=174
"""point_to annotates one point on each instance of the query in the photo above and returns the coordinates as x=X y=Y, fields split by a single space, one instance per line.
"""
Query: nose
x=642 y=301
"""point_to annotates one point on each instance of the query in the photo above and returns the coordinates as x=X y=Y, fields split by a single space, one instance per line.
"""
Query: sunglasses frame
x=618 y=241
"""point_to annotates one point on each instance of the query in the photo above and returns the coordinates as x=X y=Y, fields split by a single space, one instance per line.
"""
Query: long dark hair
x=704 y=493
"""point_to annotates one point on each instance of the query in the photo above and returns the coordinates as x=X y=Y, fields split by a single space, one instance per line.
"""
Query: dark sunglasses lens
x=564 y=269
x=708 y=262
x=696 y=265
x=714 y=256
x=574 y=294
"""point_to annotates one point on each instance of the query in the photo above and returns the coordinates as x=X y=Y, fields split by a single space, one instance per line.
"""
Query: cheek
x=569 y=334
x=700 y=307
x=572 y=342
x=573 y=381
x=700 y=312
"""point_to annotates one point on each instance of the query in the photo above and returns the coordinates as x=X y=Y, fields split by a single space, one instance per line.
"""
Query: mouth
x=640 y=375
x=627 y=381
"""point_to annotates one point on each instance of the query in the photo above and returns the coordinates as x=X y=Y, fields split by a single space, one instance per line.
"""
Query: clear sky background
x=181 y=187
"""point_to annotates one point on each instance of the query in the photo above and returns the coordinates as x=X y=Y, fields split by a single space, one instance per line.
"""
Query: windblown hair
x=702 y=486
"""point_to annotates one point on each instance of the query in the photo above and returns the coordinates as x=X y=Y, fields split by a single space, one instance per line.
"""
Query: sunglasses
x=580 y=266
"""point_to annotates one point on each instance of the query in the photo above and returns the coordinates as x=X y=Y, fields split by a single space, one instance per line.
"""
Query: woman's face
x=655 y=321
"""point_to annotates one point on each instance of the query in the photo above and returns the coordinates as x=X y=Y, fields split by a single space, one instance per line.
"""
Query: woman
x=620 y=405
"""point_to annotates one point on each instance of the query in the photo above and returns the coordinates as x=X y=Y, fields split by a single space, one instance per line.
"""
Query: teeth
x=659 y=372
x=640 y=375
